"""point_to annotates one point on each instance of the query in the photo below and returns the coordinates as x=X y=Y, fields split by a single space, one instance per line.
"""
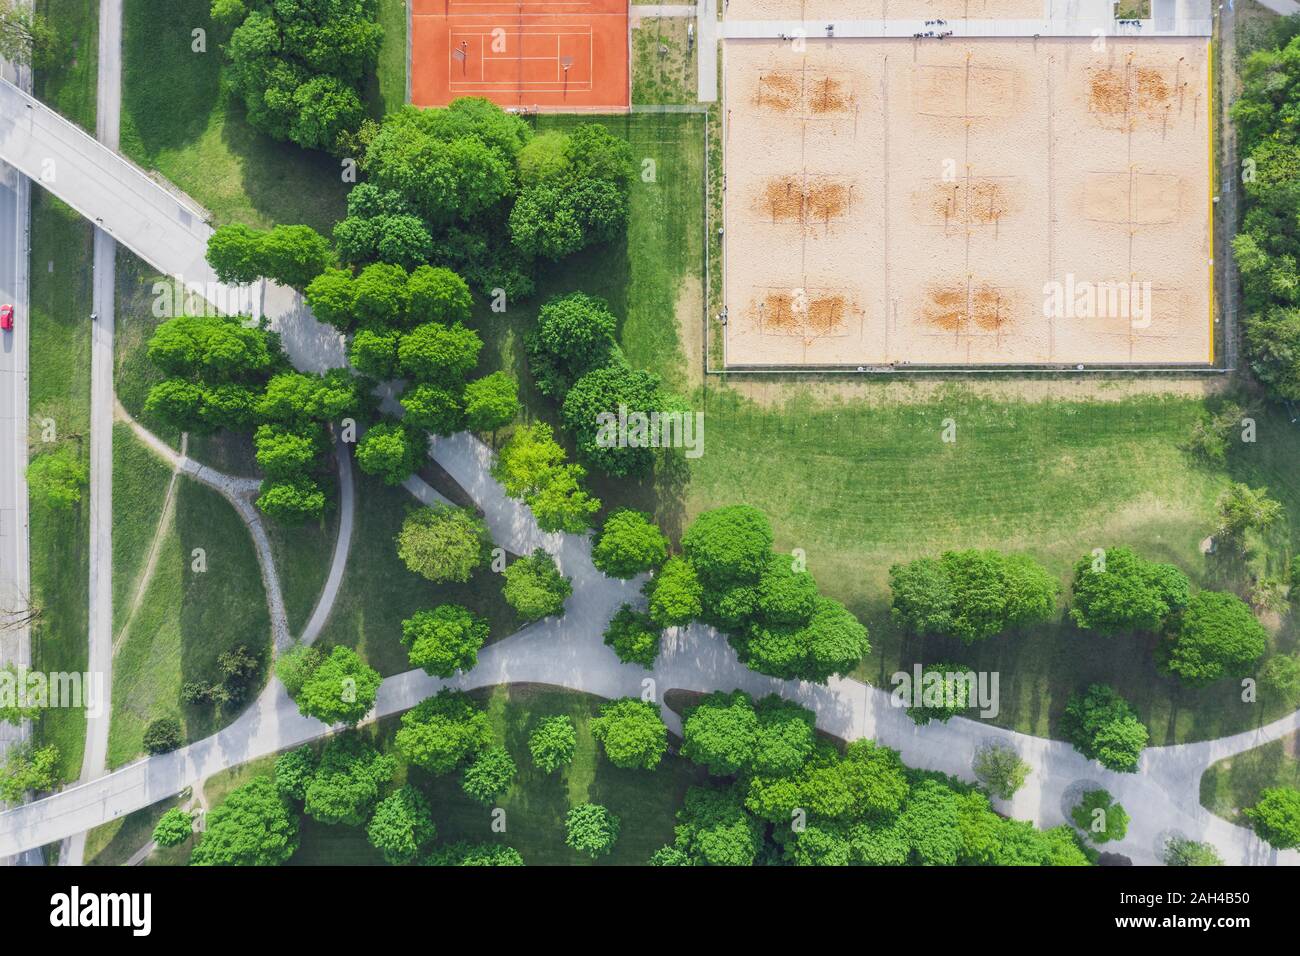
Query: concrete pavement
x=108 y=111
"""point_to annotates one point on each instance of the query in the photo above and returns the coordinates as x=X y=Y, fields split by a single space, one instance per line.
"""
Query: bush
x=401 y=826
x=163 y=735
x=1100 y=817
x=1217 y=637
x=971 y=594
x=173 y=828
x=1183 y=852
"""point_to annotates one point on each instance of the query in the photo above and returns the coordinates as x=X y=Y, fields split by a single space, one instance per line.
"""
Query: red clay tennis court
x=548 y=54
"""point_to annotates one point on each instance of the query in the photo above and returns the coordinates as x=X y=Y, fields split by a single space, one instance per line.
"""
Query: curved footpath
x=569 y=652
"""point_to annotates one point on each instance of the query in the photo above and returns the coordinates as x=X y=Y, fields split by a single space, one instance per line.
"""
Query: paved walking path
x=99 y=634
x=569 y=652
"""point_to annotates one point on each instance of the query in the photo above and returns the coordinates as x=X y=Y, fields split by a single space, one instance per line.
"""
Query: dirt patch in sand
x=798 y=312
x=966 y=308
x=789 y=199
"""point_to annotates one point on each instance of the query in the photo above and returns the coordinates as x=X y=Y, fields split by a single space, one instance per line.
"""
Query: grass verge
x=69 y=86
x=176 y=119
x=1233 y=784
x=59 y=394
x=185 y=618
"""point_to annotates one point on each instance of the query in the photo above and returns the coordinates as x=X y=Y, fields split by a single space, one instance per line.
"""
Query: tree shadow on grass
x=223 y=606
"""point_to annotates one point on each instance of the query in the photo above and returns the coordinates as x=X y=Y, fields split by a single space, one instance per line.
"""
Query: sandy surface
x=832 y=10
x=896 y=202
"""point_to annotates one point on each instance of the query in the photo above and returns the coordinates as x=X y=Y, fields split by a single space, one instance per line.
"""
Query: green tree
x=13 y=683
x=374 y=353
x=442 y=731
x=629 y=544
x=1243 y=509
x=467 y=854
x=347 y=781
x=633 y=637
x=26 y=37
x=443 y=543
x=675 y=593
x=946 y=690
x=1000 y=770
x=401 y=826
x=1281 y=676
x=294 y=770
x=163 y=735
x=590 y=828
x=552 y=743
x=28 y=767
x=491 y=402
x=296 y=666
x=531 y=468
x=1100 y=817
x=714 y=829
x=341 y=690
x=444 y=640
x=433 y=408
x=728 y=546
x=439 y=295
x=381 y=225
x=1276 y=816
x=235 y=253
x=283 y=454
x=721 y=732
x=332 y=297
x=535 y=588
x=294 y=255
x=1180 y=851
x=591 y=412
x=253 y=826
x=57 y=478
x=391 y=451
x=293 y=501
x=574 y=334
x=1119 y=591
x=632 y=732
x=971 y=594
x=1103 y=727
x=489 y=774
x=296 y=67
x=173 y=828
x=439 y=354
x=381 y=296
x=1217 y=637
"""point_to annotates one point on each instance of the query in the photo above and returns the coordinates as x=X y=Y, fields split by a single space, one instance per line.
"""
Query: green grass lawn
x=388 y=90
x=69 y=86
x=176 y=120
x=378 y=592
x=185 y=619
x=1232 y=785
x=663 y=72
x=113 y=844
x=59 y=391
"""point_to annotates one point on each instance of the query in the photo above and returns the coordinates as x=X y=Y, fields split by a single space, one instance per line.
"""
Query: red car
x=6 y=317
